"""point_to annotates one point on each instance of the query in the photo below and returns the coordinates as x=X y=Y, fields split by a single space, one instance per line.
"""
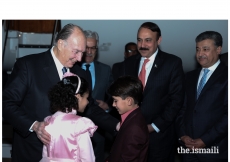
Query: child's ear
x=129 y=100
x=78 y=96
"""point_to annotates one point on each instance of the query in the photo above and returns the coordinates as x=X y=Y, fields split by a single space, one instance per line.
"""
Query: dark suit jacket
x=224 y=58
x=207 y=117
x=162 y=98
x=118 y=70
x=103 y=79
x=131 y=143
x=25 y=100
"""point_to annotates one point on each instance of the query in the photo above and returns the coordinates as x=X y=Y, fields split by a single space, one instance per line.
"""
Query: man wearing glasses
x=130 y=50
x=101 y=78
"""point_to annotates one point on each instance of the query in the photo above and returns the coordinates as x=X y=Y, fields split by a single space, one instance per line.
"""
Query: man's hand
x=199 y=143
x=39 y=129
x=150 y=128
x=188 y=141
x=102 y=104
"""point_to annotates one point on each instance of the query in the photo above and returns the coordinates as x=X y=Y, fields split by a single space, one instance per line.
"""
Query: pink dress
x=70 y=138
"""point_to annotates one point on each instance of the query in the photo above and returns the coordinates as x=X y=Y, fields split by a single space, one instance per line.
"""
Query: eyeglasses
x=91 y=48
x=130 y=51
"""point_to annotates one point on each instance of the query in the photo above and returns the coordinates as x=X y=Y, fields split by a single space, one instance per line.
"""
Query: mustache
x=88 y=54
x=201 y=57
x=143 y=48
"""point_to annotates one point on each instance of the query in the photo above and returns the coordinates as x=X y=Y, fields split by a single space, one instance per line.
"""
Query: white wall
x=178 y=36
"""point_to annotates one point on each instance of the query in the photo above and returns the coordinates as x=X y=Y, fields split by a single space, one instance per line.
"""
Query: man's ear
x=60 y=44
x=219 y=50
x=159 y=40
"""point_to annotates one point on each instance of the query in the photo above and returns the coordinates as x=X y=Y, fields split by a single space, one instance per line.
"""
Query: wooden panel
x=35 y=26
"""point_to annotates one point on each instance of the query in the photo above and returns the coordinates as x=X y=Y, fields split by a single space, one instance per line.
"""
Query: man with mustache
x=203 y=120
x=162 y=77
x=101 y=78
x=25 y=96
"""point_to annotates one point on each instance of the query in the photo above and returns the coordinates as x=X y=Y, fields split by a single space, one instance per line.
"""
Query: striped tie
x=202 y=82
x=64 y=70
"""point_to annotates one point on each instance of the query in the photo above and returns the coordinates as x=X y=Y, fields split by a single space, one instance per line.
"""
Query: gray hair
x=92 y=34
x=65 y=32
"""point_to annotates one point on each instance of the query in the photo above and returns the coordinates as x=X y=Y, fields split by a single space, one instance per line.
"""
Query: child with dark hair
x=70 y=133
x=132 y=140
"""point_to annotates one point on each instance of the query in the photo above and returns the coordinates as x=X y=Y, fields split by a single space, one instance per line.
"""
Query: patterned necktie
x=64 y=70
x=202 y=82
x=143 y=73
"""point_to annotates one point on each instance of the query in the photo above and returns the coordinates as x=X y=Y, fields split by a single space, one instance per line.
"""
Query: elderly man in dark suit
x=162 y=76
x=25 y=99
x=203 y=121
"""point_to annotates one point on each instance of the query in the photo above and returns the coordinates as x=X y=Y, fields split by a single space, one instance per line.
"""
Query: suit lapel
x=97 y=73
x=155 y=67
x=214 y=77
x=130 y=116
x=192 y=86
x=137 y=63
x=50 y=69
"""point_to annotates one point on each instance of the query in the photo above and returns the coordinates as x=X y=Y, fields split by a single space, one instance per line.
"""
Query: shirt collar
x=124 y=116
x=91 y=64
x=213 y=67
x=57 y=62
x=151 y=58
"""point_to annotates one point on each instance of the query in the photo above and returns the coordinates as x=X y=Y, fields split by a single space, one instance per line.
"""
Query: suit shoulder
x=34 y=58
x=169 y=56
x=118 y=63
x=190 y=73
x=102 y=64
x=77 y=68
x=132 y=59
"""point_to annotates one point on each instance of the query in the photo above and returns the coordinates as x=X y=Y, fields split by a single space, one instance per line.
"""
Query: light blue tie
x=202 y=82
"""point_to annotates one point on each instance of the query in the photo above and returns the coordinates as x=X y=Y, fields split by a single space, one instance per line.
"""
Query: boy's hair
x=127 y=86
x=62 y=95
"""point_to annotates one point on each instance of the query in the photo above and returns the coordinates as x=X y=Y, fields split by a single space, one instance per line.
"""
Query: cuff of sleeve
x=31 y=130
x=155 y=128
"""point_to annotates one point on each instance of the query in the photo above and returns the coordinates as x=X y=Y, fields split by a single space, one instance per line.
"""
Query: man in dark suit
x=25 y=99
x=101 y=78
x=130 y=50
x=163 y=93
x=203 y=120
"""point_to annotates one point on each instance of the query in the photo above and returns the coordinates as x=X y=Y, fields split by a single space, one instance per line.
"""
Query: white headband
x=79 y=80
x=79 y=84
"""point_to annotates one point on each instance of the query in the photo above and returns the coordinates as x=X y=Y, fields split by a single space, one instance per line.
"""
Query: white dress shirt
x=211 y=70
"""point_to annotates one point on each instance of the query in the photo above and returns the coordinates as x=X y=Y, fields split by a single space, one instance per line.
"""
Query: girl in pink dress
x=70 y=133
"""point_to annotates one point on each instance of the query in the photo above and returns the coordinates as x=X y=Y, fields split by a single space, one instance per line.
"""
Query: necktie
x=89 y=75
x=87 y=68
x=64 y=70
x=143 y=72
x=202 y=82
